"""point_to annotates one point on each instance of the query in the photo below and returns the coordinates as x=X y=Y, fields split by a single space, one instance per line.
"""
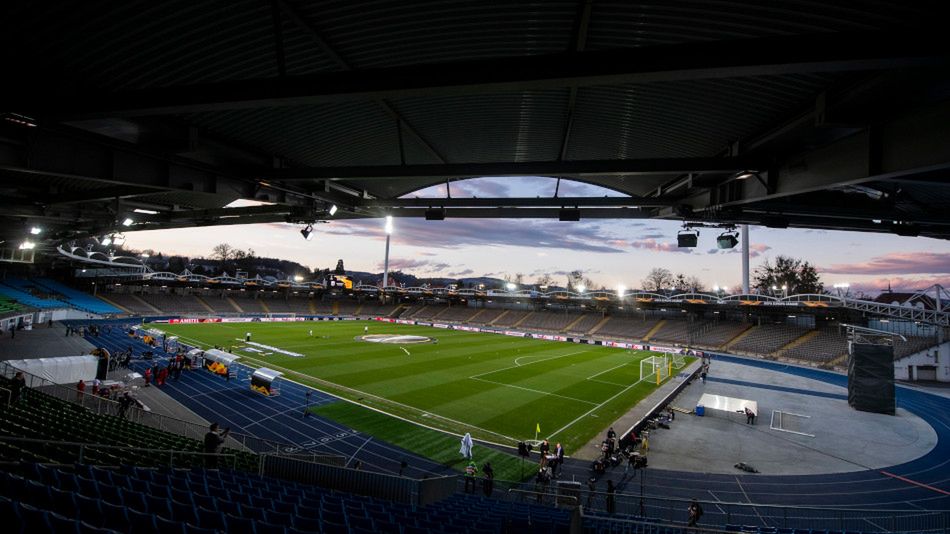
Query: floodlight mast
x=389 y=233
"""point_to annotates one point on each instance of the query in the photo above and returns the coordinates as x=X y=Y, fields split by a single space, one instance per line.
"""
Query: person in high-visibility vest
x=470 y=471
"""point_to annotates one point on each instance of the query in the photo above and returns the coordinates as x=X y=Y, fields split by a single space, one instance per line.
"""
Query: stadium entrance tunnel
x=395 y=339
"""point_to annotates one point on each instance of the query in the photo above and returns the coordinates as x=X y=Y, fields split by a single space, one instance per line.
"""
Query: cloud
x=656 y=246
x=757 y=249
x=457 y=234
x=399 y=264
x=481 y=187
x=897 y=263
x=900 y=284
x=713 y=251
x=656 y=235
x=464 y=272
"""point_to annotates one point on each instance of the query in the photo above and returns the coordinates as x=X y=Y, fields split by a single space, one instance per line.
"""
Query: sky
x=609 y=252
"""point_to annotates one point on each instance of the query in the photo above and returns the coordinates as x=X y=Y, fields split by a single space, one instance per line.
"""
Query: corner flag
x=538 y=428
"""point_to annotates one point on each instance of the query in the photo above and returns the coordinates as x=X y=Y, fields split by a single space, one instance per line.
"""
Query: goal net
x=654 y=369
x=678 y=361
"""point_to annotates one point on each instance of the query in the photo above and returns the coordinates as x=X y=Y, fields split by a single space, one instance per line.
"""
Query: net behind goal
x=654 y=369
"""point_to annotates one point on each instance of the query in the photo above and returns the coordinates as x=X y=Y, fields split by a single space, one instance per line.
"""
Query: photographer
x=213 y=442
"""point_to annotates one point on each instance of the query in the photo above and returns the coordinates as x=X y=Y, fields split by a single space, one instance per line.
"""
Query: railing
x=156 y=456
x=102 y=406
x=671 y=510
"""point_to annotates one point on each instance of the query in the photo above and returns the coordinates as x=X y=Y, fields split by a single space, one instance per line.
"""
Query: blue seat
x=285 y=507
x=62 y=525
x=113 y=517
x=307 y=524
x=35 y=493
x=180 y=495
x=211 y=519
x=184 y=513
x=279 y=518
x=239 y=525
x=86 y=528
x=89 y=510
x=134 y=500
x=192 y=529
x=33 y=519
x=63 y=502
x=263 y=527
x=158 y=505
x=169 y=526
x=253 y=512
x=203 y=501
x=142 y=522
x=109 y=493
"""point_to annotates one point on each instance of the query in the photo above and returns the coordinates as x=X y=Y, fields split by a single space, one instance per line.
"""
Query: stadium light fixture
x=333 y=209
x=745 y=175
x=118 y=240
x=511 y=286
x=307 y=232
x=728 y=239
x=687 y=239
x=36 y=230
x=27 y=245
x=145 y=256
x=389 y=225
x=581 y=288
x=298 y=278
x=621 y=289
x=716 y=287
x=106 y=241
x=129 y=221
x=145 y=211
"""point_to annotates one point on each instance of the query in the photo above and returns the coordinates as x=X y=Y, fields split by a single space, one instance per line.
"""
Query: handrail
x=229 y=458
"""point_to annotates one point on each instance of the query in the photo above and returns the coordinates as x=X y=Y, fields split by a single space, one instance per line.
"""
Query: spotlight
x=581 y=288
x=687 y=239
x=621 y=290
x=27 y=245
x=389 y=225
x=128 y=222
x=436 y=214
x=106 y=241
x=728 y=239
x=36 y=230
x=333 y=209
x=511 y=286
x=118 y=240
x=307 y=232
x=566 y=215
x=144 y=211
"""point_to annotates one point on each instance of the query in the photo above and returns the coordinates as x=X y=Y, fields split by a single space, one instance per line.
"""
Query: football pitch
x=500 y=388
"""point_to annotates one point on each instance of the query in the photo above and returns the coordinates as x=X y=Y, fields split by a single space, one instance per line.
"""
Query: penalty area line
x=406 y=351
x=592 y=410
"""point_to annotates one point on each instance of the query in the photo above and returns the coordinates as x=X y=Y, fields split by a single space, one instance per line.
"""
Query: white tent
x=62 y=370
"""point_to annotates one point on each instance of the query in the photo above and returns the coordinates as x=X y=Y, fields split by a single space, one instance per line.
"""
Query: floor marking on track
x=607 y=371
x=278 y=414
x=359 y=449
x=915 y=483
x=754 y=509
x=718 y=500
x=533 y=390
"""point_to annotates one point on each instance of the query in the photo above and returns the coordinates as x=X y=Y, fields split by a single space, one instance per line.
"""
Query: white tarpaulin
x=727 y=404
x=62 y=370
x=467 y=444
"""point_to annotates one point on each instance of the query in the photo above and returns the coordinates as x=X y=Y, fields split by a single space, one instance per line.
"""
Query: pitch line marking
x=607 y=371
x=531 y=363
x=592 y=410
x=406 y=351
x=609 y=383
x=531 y=390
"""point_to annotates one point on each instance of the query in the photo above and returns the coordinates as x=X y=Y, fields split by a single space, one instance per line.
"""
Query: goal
x=678 y=361
x=654 y=369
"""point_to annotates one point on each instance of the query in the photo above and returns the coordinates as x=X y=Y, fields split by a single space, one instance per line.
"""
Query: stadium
x=146 y=391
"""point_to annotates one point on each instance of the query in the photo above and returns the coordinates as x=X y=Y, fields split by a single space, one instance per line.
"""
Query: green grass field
x=496 y=387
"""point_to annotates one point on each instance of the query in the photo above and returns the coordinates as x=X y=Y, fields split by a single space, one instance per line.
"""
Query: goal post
x=654 y=369
x=678 y=361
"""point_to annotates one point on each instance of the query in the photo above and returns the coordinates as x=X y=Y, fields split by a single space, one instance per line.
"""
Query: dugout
x=218 y=361
x=262 y=381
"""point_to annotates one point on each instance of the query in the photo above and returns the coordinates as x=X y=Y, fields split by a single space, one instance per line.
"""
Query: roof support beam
x=831 y=52
x=529 y=168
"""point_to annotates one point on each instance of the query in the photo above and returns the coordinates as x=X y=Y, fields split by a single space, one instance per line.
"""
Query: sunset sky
x=611 y=252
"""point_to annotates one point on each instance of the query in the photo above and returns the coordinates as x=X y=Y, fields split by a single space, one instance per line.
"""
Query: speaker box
x=871 y=378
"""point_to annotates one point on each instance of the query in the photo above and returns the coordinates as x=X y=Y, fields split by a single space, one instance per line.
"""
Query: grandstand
x=766 y=339
x=626 y=327
x=74 y=298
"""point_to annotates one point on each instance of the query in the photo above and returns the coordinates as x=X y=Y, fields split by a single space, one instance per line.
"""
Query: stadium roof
x=819 y=115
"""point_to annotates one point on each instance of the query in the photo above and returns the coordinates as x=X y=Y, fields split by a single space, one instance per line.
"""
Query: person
x=702 y=375
x=125 y=403
x=489 y=483
x=403 y=464
x=147 y=376
x=749 y=416
x=213 y=442
x=311 y=332
x=358 y=465
x=611 y=503
x=695 y=512
x=96 y=383
x=610 y=433
x=155 y=372
x=127 y=361
x=18 y=385
x=247 y=336
x=69 y=330
x=470 y=472
x=162 y=376
x=558 y=459
x=672 y=413
x=591 y=492
x=50 y=323
x=80 y=389
x=544 y=449
x=541 y=482
x=631 y=463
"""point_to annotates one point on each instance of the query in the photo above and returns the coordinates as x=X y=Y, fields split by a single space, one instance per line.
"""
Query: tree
x=658 y=279
x=575 y=279
x=223 y=252
x=339 y=268
x=687 y=283
x=797 y=275
x=544 y=280
x=519 y=279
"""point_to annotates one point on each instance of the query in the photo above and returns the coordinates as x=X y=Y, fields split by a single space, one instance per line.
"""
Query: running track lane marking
x=915 y=483
x=359 y=449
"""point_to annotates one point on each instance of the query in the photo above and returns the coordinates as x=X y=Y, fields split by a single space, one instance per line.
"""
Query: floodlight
x=27 y=245
x=435 y=214
x=569 y=215
x=145 y=256
x=728 y=239
x=333 y=209
x=581 y=288
x=307 y=232
x=389 y=225
x=36 y=230
x=687 y=239
x=511 y=286
x=621 y=289
x=145 y=211
x=745 y=175
x=106 y=241
x=298 y=278
x=128 y=221
x=118 y=240
x=716 y=287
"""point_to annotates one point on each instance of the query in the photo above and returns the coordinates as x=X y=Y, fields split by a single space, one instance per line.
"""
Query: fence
x=103 y=406
x=157 y=457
